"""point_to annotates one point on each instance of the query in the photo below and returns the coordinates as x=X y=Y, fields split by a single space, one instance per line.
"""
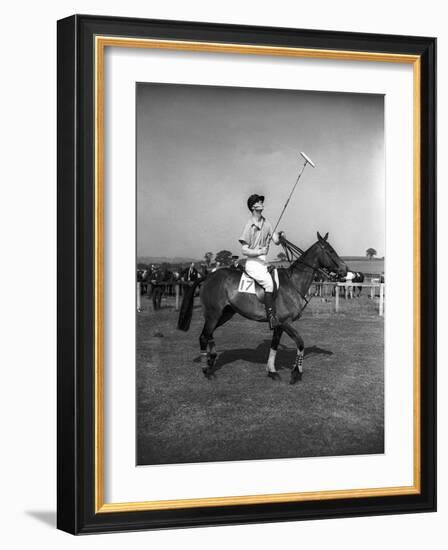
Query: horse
x=221 y=299
x=359 y=278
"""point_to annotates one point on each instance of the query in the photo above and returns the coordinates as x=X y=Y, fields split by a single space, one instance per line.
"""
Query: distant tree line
x=225 y=258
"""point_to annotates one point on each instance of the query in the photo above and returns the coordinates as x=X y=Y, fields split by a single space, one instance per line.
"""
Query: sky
x=203 y=150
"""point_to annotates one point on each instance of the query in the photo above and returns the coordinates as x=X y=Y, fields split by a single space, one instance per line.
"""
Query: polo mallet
x=307 y=161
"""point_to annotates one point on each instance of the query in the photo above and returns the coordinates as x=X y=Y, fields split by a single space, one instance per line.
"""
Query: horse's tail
x=186 y=309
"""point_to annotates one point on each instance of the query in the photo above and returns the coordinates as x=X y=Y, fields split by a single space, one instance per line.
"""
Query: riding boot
x=270 y=310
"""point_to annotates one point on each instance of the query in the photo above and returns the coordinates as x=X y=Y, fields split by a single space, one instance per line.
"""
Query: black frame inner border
x=75 y=172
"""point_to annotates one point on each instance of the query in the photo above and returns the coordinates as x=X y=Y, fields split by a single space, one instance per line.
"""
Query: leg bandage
x=298 y=363
x=271 y=360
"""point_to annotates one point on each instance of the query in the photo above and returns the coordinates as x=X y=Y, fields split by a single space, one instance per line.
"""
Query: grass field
x=337 y=408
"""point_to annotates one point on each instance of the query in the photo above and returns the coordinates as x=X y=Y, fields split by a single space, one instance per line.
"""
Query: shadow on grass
x=259 y=355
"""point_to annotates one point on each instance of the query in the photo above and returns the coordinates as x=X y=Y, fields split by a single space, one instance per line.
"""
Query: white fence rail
x=349 y=287
x=139 y=297
x=337 y=286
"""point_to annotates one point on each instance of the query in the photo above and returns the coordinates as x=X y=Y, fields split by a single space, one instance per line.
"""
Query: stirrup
x=272 y=320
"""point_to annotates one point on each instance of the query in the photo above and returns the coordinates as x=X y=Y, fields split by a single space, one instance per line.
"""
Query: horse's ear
x=326 y=236
x=319 y=236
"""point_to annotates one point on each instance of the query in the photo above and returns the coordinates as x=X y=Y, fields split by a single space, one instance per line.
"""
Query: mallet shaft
x=307 y=161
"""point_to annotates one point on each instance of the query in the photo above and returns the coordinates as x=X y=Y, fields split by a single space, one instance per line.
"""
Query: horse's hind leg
x=226 y=315
x=272 y=371
x=297 y=368
x=206 y=339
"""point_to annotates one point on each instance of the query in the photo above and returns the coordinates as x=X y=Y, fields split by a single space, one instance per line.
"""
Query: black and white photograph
x=260 y=269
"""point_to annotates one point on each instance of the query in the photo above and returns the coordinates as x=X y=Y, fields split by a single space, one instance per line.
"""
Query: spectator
x=190 y=274
x=349 y=280
x=204 y=271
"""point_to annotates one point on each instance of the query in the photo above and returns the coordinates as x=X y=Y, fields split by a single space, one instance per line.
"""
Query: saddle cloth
x=250 y=286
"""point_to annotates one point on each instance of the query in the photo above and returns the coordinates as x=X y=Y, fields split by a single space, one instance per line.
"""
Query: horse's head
x=327 y=256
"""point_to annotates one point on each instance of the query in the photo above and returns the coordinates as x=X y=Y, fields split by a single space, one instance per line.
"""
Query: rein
x=294 y=253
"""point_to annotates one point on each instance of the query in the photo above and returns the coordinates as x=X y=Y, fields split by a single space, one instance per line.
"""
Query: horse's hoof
x=211 y=360
x=208 y=374
x=274 y=375
x=296 y=376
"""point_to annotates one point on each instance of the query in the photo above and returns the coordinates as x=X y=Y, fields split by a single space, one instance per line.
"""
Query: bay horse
x=359 y=278
x=221 y=299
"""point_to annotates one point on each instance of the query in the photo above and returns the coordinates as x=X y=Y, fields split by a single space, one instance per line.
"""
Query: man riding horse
x=221 y=295
x=255 y=243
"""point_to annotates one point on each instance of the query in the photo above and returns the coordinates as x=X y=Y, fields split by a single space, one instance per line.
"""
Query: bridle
x=330 y=257
x=294 y=253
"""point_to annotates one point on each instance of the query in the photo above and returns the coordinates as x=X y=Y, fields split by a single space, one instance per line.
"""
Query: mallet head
x=307 y=159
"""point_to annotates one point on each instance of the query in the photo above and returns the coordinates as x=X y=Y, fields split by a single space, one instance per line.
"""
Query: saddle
x=248 y=285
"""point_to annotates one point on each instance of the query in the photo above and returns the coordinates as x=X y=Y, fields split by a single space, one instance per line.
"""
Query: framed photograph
x=246 y=274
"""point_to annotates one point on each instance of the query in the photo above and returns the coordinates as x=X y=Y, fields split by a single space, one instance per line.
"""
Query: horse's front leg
x=212 y=353
x=270 y=367
x=297 y=367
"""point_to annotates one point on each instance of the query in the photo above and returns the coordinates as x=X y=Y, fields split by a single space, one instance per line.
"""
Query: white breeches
x=258 y=270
